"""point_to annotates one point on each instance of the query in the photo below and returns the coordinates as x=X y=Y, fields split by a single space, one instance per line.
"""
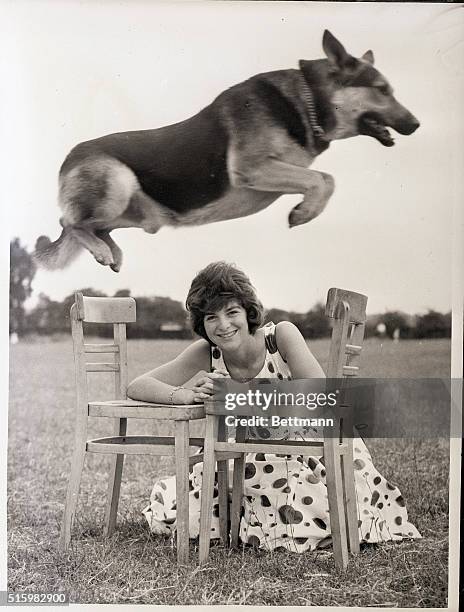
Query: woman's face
x=227 y=327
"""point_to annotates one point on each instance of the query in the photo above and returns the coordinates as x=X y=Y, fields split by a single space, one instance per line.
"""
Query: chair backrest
x=115 y=311
x=348 y=311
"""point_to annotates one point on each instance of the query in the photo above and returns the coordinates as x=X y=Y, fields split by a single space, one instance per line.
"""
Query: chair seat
x=144 y=410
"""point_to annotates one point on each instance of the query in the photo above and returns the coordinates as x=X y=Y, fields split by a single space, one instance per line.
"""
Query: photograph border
x=457 y=270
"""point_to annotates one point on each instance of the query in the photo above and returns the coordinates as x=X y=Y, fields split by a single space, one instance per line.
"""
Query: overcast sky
x=77 y=70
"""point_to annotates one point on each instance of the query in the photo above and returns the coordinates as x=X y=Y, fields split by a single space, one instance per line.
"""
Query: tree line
x=163 y=317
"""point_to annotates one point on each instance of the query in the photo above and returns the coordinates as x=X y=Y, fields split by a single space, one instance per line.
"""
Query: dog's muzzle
x=407 y=126
x=373 y=124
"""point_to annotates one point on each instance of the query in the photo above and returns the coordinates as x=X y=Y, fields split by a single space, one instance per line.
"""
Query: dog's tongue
x=372 y=127
x=383 y=136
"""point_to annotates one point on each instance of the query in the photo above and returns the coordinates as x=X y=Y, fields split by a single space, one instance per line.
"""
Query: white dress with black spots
x=285 y=499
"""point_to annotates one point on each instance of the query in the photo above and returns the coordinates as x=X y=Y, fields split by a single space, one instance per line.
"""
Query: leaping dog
x=251 y=145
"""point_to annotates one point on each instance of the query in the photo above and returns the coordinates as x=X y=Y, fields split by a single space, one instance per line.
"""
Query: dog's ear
x=368 y=57
x=338 y=58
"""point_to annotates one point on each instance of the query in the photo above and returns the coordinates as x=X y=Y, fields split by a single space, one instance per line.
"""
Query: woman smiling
x=226 y=313
x=285 y=499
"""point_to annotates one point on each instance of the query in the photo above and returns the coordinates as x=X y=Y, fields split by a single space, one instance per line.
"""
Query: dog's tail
x=58 y=254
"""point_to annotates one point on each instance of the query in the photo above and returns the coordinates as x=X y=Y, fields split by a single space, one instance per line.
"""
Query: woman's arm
x=293 y=348
x=159 y=384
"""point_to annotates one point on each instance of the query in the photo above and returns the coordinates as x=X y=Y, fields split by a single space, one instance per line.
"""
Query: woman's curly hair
x=213 y=287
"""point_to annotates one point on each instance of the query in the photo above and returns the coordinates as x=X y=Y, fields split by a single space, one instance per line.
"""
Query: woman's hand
x=204 y=386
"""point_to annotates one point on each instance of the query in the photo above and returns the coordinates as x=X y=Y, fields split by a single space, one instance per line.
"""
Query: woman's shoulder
x=287 y=335
x=286 y=330
x=280 y=337
x=199 y=347
x=198 y=353
x=286 y=325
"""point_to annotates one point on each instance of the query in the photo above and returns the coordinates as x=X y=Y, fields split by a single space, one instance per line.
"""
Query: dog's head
x=362 y=99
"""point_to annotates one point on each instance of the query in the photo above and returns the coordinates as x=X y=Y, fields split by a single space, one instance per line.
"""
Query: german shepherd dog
x=251 y=145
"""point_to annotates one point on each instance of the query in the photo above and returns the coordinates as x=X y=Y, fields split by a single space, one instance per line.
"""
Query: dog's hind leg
x=98 y=247
x=147 y=213
x=115 y=250
x=94 y=194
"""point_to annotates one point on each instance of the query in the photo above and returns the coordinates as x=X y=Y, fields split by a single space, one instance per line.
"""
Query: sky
x=78 y=70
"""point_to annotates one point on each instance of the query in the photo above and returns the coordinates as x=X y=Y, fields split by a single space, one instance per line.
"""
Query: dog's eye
x=384 y=90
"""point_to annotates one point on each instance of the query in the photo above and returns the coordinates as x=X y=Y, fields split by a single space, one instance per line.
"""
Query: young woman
x=285 y=500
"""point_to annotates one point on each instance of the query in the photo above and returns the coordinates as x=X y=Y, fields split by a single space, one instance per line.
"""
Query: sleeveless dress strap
x=270 y=337
x=216 y=359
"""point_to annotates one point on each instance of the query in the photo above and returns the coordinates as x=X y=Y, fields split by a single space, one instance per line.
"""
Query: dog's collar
x=308 y=97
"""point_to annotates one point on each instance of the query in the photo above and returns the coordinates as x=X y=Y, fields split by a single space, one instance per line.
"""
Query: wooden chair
x=118 y=312
x=348 y=311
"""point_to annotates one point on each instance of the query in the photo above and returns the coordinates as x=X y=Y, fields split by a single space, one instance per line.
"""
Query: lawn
x=136 y=567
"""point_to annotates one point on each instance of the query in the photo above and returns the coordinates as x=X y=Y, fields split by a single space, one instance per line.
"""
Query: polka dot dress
x=285 y=498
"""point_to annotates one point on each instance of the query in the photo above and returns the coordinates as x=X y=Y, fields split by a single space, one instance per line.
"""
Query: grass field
x=136 y=567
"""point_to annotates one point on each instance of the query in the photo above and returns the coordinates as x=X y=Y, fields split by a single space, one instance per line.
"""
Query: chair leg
x=350 y=499
x=72 y=493
x=237 y=490
x=114 y=483
x=223 y=488
x=182 y=490
x=336 y=502
x=207 y=486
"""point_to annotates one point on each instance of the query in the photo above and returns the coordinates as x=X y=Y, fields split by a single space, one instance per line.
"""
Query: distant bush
x=433 y=325
x=163 y=317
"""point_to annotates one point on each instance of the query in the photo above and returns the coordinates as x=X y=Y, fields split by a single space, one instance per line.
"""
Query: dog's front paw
x=299 y=216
